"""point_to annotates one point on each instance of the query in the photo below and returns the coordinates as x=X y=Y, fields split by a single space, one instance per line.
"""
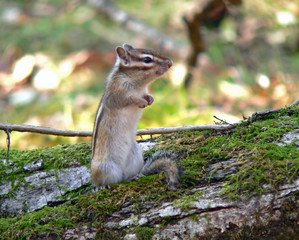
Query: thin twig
x=44 y=130
x=7 y=143
x=295 y=103
x=184 y=128
x=73 y=133
x=221 y=120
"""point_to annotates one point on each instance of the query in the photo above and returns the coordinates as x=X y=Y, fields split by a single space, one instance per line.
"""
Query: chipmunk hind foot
x=163 y=161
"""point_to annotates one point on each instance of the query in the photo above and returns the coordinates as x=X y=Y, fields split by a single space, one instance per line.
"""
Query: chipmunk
x=116 y=156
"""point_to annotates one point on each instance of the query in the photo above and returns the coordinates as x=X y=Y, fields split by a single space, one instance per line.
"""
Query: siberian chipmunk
x=116 y=156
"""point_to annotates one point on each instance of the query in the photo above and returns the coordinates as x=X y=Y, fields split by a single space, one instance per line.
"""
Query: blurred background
x=231 y=59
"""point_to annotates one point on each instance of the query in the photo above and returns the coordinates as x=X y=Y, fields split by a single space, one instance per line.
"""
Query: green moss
x=88 y=209
x=262 y=166
x=184 y=202
x=57 y=157
x=194 y=218
x=144 y=233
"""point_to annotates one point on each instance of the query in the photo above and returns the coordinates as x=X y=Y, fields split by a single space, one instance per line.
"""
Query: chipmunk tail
x=163 y=161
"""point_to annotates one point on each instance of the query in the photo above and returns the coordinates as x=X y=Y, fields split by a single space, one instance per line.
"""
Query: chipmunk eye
x=147 y=60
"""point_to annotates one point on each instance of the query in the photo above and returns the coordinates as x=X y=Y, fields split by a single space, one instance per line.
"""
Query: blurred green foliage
x=253 y=42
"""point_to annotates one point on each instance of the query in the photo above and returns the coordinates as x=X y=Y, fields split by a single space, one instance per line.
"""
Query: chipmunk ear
x=128 y=47
x=122 y=55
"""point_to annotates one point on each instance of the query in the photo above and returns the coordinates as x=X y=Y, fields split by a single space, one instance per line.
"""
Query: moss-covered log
x=240 y=184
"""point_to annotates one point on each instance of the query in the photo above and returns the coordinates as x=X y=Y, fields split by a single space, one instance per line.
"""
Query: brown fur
x=115 y=154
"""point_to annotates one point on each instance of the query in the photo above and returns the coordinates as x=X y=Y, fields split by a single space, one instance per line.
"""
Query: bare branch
x=208 y=13
x=73 y=133
x=44 y=130
x=295 y=103
x=109 y=10
x=184 y=128
x=7 y=127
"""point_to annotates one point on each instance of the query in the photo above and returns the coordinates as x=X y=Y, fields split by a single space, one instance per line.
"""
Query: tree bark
x=199 y=209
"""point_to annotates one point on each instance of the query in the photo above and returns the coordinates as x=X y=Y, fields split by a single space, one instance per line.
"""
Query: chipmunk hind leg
x=105 y=173
x=163 y=161
x=135 y=162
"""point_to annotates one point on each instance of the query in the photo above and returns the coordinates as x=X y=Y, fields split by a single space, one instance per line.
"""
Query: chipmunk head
x=141 y=63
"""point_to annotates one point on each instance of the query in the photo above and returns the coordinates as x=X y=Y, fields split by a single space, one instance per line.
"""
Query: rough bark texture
x=43 y=187
x=137 y=210
x=209 y=217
